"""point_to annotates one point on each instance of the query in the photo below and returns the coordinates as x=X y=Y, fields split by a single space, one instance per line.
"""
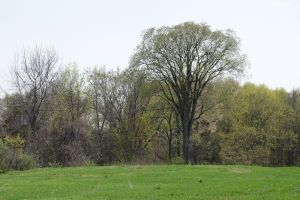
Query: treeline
x=106 y=117
x=175 y=103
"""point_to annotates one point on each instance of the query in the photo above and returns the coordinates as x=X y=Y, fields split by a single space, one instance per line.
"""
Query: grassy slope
x=153 y=182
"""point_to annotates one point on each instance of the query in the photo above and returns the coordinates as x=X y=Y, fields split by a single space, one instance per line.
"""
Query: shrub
x=3 y=152
x=12 y=156
x=177 y=161
x=67 y=145
x=246 y=146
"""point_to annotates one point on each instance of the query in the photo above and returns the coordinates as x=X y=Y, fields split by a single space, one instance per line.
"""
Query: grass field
x=153 y=182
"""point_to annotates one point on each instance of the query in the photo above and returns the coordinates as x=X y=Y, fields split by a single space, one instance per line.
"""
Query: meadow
x=155 y=182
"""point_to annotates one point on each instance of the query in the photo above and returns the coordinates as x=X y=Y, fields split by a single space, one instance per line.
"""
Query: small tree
x=34 y=72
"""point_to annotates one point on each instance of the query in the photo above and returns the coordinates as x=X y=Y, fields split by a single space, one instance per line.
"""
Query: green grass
x=153 y=182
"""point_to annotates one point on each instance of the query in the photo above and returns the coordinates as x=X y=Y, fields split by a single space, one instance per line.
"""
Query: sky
x=105 y=33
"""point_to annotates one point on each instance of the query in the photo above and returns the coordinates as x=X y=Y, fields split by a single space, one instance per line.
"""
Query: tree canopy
x=184 y=59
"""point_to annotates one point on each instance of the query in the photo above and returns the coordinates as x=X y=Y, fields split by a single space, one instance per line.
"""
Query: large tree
x=184 y=59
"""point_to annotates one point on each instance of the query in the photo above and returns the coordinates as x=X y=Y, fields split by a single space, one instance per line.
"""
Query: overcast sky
x=106 y=32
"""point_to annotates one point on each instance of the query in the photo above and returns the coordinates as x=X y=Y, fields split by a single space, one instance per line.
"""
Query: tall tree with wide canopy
x=184 y=59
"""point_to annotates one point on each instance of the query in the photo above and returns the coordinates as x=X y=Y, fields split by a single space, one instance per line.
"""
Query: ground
x=152 y=182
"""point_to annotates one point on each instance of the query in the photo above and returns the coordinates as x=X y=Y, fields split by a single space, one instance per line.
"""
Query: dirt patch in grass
x=239 y=170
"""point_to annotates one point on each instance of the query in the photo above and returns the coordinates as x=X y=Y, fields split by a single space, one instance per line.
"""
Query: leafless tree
x=108 y=97
x=34 y=72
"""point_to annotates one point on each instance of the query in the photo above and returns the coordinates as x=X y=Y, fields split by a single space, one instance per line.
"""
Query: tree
x=69 y=100
x=167 y=126
x=257 y=127
x=66 y=134
x=136 y=129
x=107 y=95
x=33 y=75
x=169 y=129
x=12 y=116
x=184 y=59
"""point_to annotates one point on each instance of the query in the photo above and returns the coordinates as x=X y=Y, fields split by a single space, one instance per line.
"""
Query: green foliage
x=137 y=128
x=205 y=148
x=3 y=151
x=256 y=127
x=69 y=101
x=12 y=156
x=14 y=142
x=245 y=146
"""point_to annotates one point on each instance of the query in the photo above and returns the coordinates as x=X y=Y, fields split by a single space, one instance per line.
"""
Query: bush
x=16 y=160
x=67 y=145
x=3 y=152
x=12 y=156
x=246 y=146
x=177 y=161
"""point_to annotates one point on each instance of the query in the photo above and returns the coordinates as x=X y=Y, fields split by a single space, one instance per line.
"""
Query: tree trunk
x=186 y=142
x=178 y=147
x=170 y=137
x=170 y=149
